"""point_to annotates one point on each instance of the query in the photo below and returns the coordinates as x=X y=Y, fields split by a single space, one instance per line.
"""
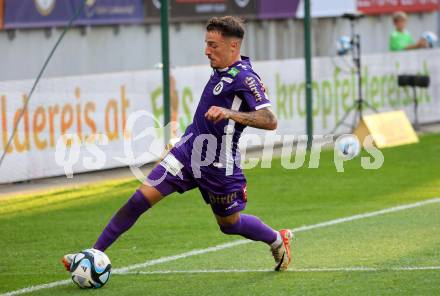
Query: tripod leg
x=416 y=107
x=344 y=117
x=356 y=118
x=369 y=106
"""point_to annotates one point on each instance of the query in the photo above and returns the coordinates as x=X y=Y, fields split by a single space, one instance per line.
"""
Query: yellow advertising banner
x=387 y=129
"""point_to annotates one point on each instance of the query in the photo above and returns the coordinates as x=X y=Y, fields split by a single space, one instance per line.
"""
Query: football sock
x=252 y=228
x=277 y=242
x=123 y=220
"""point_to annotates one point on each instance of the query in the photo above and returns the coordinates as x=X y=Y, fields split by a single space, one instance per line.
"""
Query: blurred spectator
x=401 y=39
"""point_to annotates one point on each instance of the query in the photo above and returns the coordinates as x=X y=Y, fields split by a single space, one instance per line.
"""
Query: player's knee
x=229 y=224
x=151 y=194
x=228 y=229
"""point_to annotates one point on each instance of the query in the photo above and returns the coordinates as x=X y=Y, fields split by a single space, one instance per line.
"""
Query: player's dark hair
x=228 y=26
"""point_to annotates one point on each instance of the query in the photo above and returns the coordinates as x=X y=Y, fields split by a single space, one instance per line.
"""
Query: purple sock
x=252 y=228
x=123 y=220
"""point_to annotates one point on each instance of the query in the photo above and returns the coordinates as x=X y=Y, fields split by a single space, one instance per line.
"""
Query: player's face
x=400 y=24
x=220 y=51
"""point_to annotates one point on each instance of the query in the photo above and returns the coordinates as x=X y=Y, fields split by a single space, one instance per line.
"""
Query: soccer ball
x=431 y=38
x=90 y=269
x=348 y=146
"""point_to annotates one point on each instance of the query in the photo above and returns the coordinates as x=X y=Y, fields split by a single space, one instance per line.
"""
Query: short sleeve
x=252 y=91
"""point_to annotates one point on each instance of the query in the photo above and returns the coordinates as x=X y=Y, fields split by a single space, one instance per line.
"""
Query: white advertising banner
x=95 y=109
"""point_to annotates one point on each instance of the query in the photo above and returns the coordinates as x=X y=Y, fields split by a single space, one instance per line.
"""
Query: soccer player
x=207 y=157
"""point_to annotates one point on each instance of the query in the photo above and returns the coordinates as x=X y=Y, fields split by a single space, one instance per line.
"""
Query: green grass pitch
x=361 y=257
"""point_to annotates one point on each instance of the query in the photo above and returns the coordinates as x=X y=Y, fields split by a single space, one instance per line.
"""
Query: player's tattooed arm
x=262 y=119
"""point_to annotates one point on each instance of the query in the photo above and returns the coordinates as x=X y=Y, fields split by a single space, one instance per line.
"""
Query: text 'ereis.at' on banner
x=43 y=123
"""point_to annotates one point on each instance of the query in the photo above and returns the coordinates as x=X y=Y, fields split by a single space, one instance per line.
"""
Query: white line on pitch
x=341 y=269
x=37 y=288
x=229 y=245
x=299 y=229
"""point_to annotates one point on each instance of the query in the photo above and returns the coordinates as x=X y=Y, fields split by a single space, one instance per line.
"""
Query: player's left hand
x=422 y=43
x=217 y=114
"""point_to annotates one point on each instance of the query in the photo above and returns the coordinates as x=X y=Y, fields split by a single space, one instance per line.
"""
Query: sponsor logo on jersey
x=218 y=88
x=251 y=82
x=234 y=205
x=222 y=199
x=233 y=72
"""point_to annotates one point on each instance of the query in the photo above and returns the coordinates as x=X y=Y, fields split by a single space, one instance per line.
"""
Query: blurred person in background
x=401 y=39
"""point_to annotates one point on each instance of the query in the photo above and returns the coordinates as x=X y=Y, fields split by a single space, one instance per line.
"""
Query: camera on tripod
x=352 y=44
x=346 y=43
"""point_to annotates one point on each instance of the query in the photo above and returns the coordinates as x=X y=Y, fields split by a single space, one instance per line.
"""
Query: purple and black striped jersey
x=237 y=88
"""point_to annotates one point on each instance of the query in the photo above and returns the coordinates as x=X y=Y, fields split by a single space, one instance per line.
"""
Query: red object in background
x=391 y=6
x=2 y=9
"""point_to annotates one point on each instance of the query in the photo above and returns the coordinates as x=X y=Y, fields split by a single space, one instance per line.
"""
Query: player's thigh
x=167 y=178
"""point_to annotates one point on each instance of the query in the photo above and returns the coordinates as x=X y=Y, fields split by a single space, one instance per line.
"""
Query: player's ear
x=235 y=43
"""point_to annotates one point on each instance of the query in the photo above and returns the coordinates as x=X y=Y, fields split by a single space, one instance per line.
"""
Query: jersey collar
x=244 y=61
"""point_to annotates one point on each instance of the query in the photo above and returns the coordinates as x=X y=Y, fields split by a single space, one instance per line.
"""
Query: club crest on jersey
x=218 y=88
x=253 y=86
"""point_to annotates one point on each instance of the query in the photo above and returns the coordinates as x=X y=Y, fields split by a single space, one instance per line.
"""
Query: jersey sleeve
x=250 y=89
